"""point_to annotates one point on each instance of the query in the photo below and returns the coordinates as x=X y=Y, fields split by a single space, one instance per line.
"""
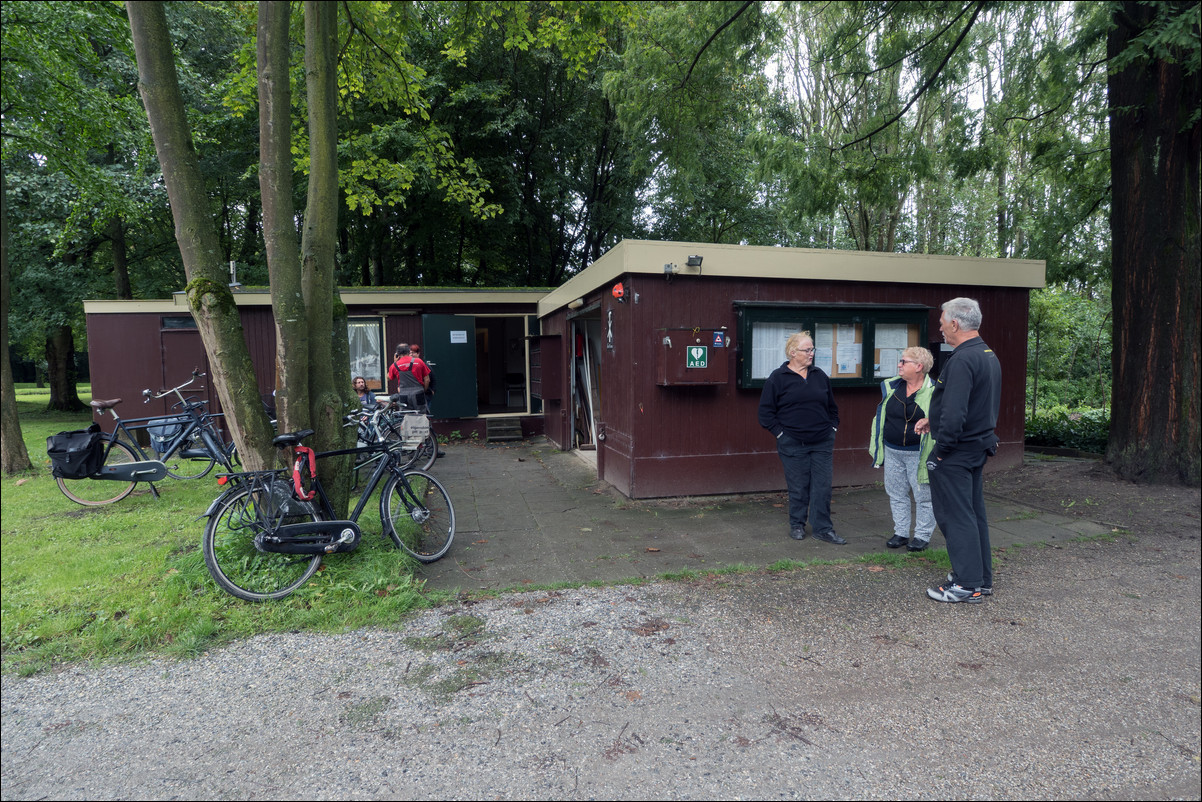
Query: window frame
x=810 y=316
x=375 y=383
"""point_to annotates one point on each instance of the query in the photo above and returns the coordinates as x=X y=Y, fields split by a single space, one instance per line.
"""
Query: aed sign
x=697 y=356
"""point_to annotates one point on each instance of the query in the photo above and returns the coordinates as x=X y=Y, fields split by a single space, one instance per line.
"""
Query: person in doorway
x=417 y=367
x=403 y=362
x=905 y=400
x=415 y=351
x=964 y=413
x=798 y=407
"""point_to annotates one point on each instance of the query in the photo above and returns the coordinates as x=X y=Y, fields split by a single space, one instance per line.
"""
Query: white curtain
x=768 y=346
x=366 y=356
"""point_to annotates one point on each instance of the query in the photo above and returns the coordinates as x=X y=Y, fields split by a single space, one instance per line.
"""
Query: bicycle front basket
x=415 y=429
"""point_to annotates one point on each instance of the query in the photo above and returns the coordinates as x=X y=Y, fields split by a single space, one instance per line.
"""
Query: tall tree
x=1155 y=142
x=58 y=108
x=13 y=454
x=208 y=293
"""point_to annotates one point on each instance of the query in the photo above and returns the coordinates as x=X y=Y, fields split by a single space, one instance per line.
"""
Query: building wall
x=667 y=441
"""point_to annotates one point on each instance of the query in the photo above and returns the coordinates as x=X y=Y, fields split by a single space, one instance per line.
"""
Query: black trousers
x=958 y=495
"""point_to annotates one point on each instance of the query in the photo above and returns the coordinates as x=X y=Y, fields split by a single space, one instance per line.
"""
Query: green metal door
x=449 y=347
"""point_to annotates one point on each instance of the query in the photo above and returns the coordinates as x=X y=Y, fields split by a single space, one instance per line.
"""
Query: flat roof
x=759 y=262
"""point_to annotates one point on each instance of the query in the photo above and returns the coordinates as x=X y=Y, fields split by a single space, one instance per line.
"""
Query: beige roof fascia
x=642 y=257
x=358 y=296
x=107 y=307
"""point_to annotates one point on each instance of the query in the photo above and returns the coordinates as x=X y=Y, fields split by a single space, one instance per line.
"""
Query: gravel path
x=1079 y=679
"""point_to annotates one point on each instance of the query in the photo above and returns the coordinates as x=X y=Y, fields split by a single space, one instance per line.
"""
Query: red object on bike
x=301 y=453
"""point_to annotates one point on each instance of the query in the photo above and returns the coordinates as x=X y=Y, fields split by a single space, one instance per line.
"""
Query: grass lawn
x=128 y=579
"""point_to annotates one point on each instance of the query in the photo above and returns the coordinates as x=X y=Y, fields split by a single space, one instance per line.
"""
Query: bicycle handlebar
x=149 y=394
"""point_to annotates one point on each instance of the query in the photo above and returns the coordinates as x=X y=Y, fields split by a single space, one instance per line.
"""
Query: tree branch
x=927 y=85
x=710 y=41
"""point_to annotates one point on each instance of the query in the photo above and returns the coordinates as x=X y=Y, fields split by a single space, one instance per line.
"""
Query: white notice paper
x=891 y=335
x=458 y=337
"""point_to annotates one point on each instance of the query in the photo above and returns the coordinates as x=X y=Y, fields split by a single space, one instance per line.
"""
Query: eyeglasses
x=907 y=362
x=803 y=350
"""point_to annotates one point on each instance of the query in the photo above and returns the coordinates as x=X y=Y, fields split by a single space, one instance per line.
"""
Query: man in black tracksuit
x=964 y=412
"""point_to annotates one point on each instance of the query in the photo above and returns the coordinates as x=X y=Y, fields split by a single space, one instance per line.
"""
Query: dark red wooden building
x=656 y=354
x=476 y=341
x=653 y=357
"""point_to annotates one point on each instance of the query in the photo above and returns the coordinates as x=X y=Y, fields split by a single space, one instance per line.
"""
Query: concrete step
x=500 y=429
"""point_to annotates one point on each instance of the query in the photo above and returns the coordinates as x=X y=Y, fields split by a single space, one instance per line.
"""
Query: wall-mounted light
x=694 y=261
x=579 y=302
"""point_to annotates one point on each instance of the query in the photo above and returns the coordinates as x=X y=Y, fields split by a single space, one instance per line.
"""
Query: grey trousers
x=901 y=480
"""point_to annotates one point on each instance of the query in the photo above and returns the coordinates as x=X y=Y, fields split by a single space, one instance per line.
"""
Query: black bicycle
x=267 y=533
x=186 y=442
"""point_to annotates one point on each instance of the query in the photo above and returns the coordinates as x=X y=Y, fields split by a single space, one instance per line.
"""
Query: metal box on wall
x=693 y=356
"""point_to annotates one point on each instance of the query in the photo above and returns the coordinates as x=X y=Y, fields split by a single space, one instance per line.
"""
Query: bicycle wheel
x=407 y=457
x=180 y=467
x=236 y=565
x=417 y=514
x=97 y=492
x=427 y=453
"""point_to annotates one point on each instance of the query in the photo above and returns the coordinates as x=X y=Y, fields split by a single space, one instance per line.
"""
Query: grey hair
x=794 y=341
x=965 y=311
x=924 y=358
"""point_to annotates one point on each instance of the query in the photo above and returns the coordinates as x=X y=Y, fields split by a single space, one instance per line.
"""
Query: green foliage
x=1068 y=354
x=1062 y=427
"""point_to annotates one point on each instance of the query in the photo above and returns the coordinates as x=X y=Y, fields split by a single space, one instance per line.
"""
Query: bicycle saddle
x=291 y=438
x=100 y=406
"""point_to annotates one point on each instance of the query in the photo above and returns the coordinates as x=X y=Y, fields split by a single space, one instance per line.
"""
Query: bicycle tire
x=405 y=458
x=98 y=492
x=239 y=568
x=418 y=515
x=193 y=468
x=427 y=453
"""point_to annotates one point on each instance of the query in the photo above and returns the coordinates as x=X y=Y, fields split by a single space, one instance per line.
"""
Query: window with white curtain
x=366 y=337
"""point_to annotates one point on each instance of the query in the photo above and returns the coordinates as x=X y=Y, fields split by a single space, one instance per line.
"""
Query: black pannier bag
x=164 y=431
x=78 y=454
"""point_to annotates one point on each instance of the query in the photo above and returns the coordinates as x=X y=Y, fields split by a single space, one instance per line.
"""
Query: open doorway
x=502 y=366
x=586 y=382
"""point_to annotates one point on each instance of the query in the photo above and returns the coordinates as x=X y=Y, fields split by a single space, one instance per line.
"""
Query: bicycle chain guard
x=315 y=537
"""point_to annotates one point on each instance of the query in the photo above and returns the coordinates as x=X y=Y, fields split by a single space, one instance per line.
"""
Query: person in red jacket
x=404 y=362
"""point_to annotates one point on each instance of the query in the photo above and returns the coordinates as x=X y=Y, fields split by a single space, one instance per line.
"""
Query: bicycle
x=191 y=438
x=267 y=533
x=397 y=423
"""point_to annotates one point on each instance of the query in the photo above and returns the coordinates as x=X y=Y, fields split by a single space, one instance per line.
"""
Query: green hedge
x=1060 y=427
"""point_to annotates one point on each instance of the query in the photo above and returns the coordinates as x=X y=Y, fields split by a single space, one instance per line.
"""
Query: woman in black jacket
x=798 y=407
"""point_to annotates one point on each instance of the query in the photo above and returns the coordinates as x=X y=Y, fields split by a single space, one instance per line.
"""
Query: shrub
x=1060 y=427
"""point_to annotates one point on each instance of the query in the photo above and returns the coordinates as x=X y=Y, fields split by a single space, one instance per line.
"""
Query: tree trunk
x=330 y=394
x=14 y=456
x=1157 y=257
x=120 y=259
x=60 y=367
x=279 y=228
x=208 y=292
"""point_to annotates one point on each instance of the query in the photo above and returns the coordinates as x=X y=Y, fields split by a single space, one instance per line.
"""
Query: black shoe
x=830 y=537
x=798 y=533
x=897 y=541
x=918 y=545
x=440 y=454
